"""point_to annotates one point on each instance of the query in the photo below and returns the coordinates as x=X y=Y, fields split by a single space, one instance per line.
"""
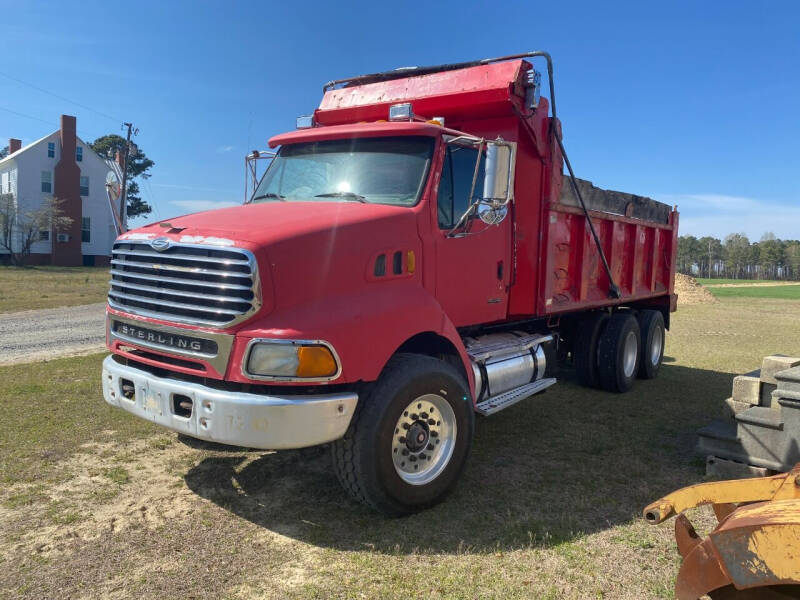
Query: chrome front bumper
x=236 y=418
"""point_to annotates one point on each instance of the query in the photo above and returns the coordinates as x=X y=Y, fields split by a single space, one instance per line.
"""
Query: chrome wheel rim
x=655 y=346
x=629 y=357
x=424 y=439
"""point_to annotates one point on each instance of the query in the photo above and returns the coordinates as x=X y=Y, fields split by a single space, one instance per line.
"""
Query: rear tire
x=410 y=437
x=618 y=352
x=584 y=348
x=651 y=352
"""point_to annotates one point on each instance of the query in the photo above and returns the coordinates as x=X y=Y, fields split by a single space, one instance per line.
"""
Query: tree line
x=736 y=257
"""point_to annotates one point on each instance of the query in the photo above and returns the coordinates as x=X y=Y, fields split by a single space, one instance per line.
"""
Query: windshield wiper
x=348 y=195
x=268 y=195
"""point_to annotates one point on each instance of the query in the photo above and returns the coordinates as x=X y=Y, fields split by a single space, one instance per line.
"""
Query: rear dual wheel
x=651 y=324
x=618 y=351
x=584 y=348
x=610 y=351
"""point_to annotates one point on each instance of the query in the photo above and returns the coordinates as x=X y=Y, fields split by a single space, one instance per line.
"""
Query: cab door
x=472 y=260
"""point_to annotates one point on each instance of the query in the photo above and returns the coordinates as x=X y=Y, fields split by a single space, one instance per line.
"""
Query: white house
x=64 y=166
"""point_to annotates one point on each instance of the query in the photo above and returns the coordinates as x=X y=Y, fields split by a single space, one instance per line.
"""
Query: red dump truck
x=411 y=256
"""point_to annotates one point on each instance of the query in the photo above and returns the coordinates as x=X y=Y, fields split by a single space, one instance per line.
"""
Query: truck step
x=511 y=397
x=484 y=351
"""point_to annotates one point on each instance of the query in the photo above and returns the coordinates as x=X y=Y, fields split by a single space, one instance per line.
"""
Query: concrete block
x=766 y=395
x=729 y=469
x=747 y=389
x=775 y=363
x=789 y=379
x=732 y=407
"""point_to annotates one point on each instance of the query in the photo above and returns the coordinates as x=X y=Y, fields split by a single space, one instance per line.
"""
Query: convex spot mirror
x=491 y=215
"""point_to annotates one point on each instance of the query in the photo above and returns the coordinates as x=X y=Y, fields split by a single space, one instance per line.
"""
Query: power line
x=36 y=87
x=19 y=114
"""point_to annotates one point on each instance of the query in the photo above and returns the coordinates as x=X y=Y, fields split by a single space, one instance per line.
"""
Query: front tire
x=410 y=437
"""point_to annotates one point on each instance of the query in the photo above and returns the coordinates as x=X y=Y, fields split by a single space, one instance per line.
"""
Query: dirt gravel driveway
x=33 y=335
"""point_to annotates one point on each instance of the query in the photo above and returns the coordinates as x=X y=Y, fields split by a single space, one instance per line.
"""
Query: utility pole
x=123 y=199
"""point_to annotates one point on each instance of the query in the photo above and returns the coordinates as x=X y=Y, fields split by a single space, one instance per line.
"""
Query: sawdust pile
x=691 y=292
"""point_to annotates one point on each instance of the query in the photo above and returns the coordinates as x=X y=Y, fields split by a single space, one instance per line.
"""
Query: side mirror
x=498 y=182
x=498 y=160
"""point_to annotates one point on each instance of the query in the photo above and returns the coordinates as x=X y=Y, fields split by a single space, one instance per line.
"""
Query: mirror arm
x=475 y=172
x=472 y=206
x=468 y=139
x=463 y=218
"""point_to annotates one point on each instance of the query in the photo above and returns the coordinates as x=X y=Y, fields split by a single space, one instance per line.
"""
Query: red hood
x=306 y=250
x=271 y=222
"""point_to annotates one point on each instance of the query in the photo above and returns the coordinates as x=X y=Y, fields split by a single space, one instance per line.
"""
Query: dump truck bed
x=638 y=236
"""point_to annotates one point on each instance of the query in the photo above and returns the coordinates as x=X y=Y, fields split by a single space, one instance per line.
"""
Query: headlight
x=291 y=359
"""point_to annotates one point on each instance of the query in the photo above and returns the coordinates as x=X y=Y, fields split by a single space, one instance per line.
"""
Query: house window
x=44 y=235
x=86 y=224
x=79 y=154
x=84 y=185
x=47 y=182
x=51 y=149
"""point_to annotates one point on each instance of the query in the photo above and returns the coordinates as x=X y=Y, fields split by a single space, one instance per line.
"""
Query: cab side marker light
x=380 y=266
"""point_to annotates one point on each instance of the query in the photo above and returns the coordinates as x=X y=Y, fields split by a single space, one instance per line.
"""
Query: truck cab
x=408 y=259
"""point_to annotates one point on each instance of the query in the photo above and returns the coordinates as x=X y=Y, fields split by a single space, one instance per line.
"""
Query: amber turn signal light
x=315 y=361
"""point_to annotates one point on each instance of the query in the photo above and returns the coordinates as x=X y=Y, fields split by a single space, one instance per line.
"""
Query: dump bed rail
x=619 y=203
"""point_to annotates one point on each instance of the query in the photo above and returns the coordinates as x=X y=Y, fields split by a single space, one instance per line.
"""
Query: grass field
x=786 y=292
x=49 y=287
x=708 y=282
x=97 y=504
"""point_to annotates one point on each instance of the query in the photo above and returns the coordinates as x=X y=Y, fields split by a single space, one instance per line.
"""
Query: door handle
x=500 y=270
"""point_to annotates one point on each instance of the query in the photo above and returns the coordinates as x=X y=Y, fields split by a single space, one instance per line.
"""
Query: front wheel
x=410 y=437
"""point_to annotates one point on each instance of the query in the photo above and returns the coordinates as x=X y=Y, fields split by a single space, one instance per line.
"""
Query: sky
x=692 y=103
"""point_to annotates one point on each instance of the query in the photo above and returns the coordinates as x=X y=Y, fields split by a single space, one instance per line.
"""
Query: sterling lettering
x=163 y=339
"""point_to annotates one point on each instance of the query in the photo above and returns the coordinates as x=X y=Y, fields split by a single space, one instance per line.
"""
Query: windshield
x=386 y=170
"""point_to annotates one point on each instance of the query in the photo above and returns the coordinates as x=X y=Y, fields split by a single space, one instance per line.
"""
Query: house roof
x=39 y=141
x=24 y=148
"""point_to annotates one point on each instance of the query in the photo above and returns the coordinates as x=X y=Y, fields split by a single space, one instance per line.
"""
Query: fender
x=365 y=328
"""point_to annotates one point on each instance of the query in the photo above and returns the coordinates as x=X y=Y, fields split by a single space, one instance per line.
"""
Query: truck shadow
x=565 y=463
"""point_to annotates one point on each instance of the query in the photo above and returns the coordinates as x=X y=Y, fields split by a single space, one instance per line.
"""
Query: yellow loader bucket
x=753 y=553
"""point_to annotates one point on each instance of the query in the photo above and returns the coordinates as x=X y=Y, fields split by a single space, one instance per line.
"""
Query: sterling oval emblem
x=160 y=244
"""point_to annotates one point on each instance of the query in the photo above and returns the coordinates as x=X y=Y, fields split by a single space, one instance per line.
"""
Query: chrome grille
x=186 y=283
